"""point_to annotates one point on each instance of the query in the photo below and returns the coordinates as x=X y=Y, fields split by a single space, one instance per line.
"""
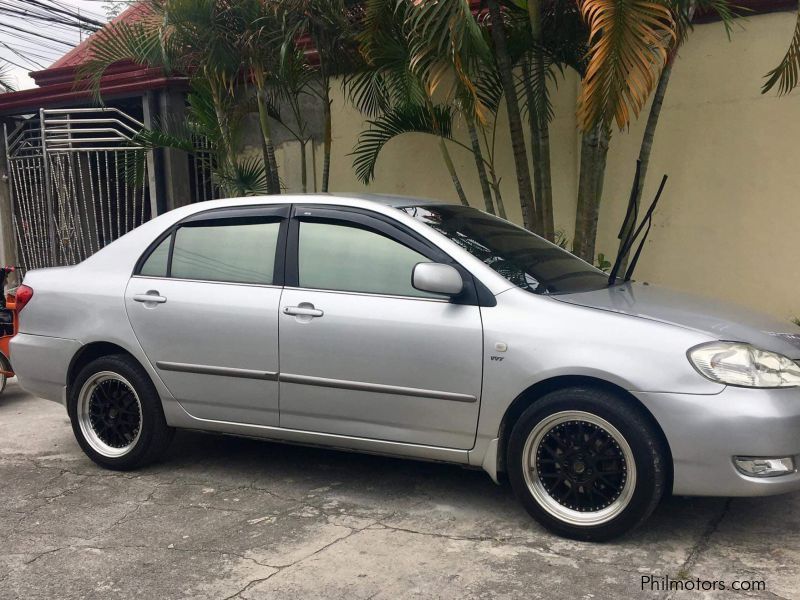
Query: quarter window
x=156 y=263
x=346 y=258
x=241 y=251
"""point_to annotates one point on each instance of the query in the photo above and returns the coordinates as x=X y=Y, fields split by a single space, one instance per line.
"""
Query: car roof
x=346 y=199
x=393 y=200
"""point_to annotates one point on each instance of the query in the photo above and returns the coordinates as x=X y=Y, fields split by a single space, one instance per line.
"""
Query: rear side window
x=351 y=259
x=220 y=251
x=240 y=250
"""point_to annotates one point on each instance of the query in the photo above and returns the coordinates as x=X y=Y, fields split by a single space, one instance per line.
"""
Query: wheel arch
x=90 y=352
x=541 y=388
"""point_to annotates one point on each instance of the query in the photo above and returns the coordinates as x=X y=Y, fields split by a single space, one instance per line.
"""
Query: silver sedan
x=419 y=329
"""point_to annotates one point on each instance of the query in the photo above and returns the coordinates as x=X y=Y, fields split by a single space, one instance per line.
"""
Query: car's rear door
x=362 y=352
x=204 y=305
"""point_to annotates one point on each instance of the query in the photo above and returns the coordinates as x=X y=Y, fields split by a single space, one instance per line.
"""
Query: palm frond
x=245 y=177
x=179 y=135
x=490 y=89
x=537 y=104
x=447 y=44
x=684 y=11
x=368 y=91
x=386 y=78
x=629 y=41
x=141 y=42
x=398 y=121
x=787 y=74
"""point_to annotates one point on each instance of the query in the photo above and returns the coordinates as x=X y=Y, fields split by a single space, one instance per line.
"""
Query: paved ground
x=233 y=518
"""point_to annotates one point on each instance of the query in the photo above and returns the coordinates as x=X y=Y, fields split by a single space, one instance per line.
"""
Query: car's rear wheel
x=586 y=464
x=116 y=414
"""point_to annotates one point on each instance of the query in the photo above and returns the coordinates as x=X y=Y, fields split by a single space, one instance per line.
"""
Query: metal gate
x=78 y=182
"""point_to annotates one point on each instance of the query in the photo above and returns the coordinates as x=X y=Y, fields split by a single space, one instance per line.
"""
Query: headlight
x=736 y=363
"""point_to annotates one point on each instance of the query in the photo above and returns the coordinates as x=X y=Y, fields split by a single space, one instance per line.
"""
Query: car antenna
x=625 y=231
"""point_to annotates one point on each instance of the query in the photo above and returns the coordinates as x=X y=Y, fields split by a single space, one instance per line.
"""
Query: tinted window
x=341 y=257
x=238 y=251
x=156 y=263
x=523 y=258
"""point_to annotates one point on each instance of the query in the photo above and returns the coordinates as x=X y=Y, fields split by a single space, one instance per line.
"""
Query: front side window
x=240 y=250
x=351 y=259
x=523 y=258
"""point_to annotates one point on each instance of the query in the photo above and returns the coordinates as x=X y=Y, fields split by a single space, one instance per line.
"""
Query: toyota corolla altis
x=420 y=329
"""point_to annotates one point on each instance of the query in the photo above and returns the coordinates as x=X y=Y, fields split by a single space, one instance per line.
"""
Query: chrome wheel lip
x=543 y=497
x=84 y=421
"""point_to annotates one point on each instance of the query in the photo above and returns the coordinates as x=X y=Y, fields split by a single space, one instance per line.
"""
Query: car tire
x=116 y=414
x=587 y=464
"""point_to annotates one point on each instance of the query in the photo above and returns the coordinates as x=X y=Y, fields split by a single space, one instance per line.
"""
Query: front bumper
x=41 y=364
x=706 y=432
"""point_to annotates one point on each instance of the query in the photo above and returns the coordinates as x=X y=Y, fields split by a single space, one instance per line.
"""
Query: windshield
x=523 y=258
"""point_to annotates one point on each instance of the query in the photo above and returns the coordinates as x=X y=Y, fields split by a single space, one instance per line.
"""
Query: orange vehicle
x=8 y=326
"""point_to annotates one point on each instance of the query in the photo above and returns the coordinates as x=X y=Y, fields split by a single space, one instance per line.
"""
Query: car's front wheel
x=116 y=414
x=586 y=464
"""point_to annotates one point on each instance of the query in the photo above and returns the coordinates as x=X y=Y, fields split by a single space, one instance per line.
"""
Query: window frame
x=474 y=293
x=280 y=213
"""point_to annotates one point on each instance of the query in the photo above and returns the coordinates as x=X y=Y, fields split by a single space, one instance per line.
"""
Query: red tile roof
x=79 y=53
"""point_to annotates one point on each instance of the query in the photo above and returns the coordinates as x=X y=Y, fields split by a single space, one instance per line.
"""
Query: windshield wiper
x=633 y=232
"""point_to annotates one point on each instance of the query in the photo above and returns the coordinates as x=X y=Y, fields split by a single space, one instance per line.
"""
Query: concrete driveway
x=233 y=518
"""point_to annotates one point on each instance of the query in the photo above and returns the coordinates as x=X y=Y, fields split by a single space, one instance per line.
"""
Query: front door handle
x=302 y=311
x=150 y=297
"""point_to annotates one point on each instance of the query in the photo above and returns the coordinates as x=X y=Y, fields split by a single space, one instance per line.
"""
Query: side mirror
x=437 y=278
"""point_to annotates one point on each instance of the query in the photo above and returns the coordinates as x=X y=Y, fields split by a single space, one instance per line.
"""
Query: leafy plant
x=603 y=263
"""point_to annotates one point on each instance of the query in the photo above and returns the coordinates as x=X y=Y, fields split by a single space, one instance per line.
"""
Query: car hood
x=719 y=320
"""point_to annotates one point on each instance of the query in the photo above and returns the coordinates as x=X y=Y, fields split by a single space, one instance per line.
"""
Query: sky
x=33 y=56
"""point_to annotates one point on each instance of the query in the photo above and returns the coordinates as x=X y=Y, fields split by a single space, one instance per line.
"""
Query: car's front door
x=204 y=306
x=362 y=352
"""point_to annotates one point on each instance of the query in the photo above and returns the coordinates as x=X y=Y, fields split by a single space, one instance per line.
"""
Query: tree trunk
x=594 y=151
x=328 y=142
x=529 y=214
x=303 y=167
x=534 y=133
x=480 y=165
x=270 y=164
x=451 y=168
x=498 y=197
x=540 y=129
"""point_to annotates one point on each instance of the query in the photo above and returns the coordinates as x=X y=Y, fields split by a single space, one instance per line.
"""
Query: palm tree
x=531 y=217
x=328 y=25
x=293 y=80
x=257 y=24
x=398 y=83
x=191 y=37
x=200 y=39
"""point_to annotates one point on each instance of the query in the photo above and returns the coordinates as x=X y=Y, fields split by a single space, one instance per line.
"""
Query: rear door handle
x=150 y=297
x=302 y=311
